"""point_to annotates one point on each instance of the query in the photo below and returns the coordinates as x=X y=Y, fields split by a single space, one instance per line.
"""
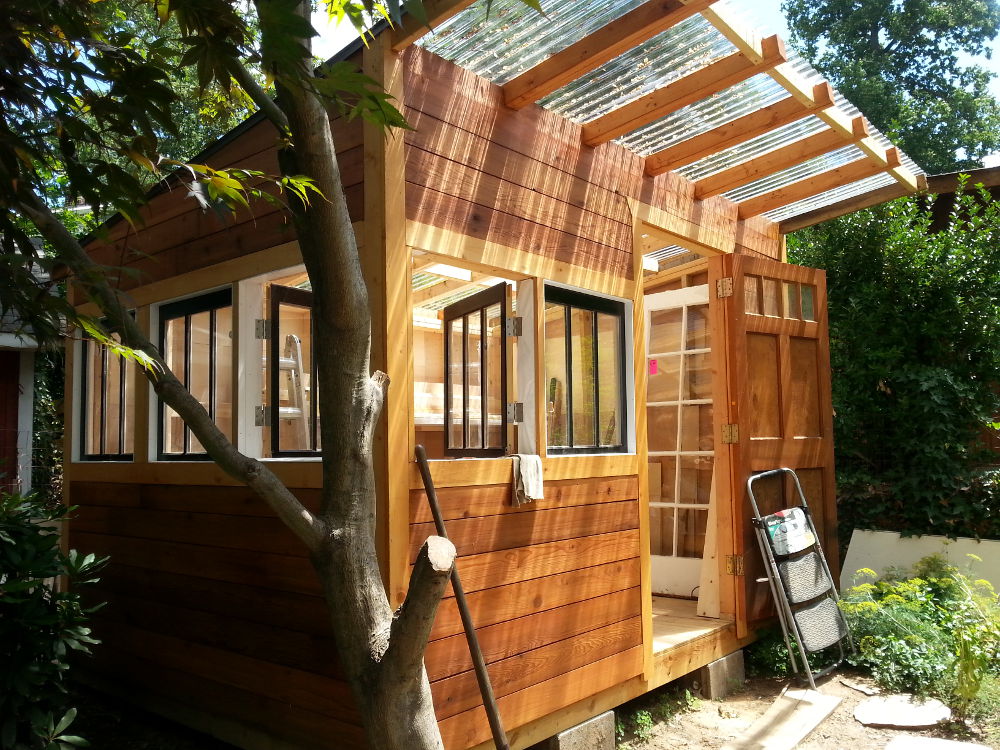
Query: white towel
x=527 y=479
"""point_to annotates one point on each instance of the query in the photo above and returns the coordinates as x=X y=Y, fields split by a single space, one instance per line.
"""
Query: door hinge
x=262 y=329
x=515 y=412
x=724 y=287
x=734 y=565
x=261 y=416
x=515 y=326
x=730 y=434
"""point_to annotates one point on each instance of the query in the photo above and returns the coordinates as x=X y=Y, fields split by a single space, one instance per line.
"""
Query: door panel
x=774 y=385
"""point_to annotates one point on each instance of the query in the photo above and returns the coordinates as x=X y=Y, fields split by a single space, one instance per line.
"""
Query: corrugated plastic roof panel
x=514 y=38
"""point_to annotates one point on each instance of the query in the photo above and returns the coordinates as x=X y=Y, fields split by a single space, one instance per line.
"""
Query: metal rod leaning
x=482 y=676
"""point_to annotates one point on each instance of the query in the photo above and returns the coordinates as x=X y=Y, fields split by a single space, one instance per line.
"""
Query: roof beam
x=597 y=48
x=810 y=186
x=738 y=131
x=701 y=84
x=796 y=86
x=785 y=157
x=446 y=288
x=438 y=11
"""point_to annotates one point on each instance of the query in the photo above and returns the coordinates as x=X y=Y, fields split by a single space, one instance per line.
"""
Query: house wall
x=10 y=367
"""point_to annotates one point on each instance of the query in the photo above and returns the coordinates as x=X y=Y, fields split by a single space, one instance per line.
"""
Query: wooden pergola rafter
x=753 y=56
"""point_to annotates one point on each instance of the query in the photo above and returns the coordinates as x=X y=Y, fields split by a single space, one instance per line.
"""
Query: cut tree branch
x=251 y=472
x=259 y=96
x=414 y=619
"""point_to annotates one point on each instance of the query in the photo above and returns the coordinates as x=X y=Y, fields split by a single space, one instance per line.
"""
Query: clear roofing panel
x=799 y=172
x=514 y=38
x=831 y=196
x=667 y=57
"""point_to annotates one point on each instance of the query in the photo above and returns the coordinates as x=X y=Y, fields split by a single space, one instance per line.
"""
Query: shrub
x=39 y=625
x=934 y=633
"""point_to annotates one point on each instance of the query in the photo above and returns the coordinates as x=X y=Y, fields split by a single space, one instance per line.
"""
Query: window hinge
x=724 y=287
x=515 y=326
x=515 y=412
x=734 y=565
x=261 y=416
x=730 y=434
x=262 y=329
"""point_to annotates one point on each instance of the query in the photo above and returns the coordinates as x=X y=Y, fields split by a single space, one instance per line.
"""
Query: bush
x=934 y=633
x=39 y=625
x=914 y=352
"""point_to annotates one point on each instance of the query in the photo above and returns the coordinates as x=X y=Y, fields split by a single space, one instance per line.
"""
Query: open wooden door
x=773 y=408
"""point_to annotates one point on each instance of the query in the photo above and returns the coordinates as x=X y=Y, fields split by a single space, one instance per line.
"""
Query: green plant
x=767 y=656
x=936 y=632
x=984 y=710
x=636 y=720
x=40 y=625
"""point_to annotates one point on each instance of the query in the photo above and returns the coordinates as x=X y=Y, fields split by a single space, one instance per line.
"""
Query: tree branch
x=253 y=473
x=256 y=92
x=412 y=624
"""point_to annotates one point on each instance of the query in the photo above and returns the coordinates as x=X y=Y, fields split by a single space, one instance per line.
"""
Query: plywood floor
x=675 y=622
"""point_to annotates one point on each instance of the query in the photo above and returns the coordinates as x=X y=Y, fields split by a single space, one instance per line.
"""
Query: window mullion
x=594 y=357
x=465 y=382
x=187 y=376
x=568 y=322
x=211 y=365
x=103 y=421
x=483 y=410
x=122 y=374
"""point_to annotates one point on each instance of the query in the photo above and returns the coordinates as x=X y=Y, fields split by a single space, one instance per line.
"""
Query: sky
x=767 y=14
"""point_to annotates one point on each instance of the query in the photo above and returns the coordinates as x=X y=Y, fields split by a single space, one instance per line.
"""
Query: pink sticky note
x=652 y=367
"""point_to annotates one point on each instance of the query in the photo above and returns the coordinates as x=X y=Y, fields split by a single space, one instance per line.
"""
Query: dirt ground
x=710 y=724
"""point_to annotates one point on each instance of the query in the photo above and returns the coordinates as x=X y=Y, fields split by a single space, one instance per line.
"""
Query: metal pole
x=482 y=676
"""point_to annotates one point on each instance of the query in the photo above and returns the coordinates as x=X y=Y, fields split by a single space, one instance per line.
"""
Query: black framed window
x=584 y=372
x=196 y=339
x=475 y=367
x=294 y=403
x=106 y=397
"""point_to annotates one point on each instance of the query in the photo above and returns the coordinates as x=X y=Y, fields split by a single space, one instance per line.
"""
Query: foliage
x=984 y=710
x=47 y=433
x=934 y=633
x=901 y=63
x=768 y=655
x=914 y=349
x=636 y=720
x=39 y=625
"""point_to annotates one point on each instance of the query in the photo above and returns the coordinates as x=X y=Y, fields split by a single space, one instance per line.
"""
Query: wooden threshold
x=684 y=642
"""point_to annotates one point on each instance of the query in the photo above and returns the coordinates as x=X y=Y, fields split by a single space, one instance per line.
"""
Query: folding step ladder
x=803 y=588
x=295 y=411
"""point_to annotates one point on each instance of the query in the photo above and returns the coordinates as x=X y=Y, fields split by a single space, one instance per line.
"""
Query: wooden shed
x=576 y=252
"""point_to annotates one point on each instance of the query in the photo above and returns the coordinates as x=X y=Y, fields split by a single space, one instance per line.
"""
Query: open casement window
x=196 y=338
x=584 y=372
x=773 y=406
x=107 y=400
x=294 y=414
x=475 y=366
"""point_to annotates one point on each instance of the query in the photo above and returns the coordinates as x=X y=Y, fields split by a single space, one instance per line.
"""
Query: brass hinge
x=515 y=326
x=734 y=565
x=724 y=287
x=262 y=329
x=730 y=434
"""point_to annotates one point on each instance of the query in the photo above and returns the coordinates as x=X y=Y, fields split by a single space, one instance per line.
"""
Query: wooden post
x=641 y=442
x=386 y=264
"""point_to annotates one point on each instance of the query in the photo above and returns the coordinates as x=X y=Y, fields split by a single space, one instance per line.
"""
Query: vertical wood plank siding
x=553 y=587
x=213 y=603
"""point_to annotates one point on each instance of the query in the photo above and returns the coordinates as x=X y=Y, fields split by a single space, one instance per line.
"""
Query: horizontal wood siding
x=524 y=179
x=553 y=588
x=176 y=236
x=212 y=604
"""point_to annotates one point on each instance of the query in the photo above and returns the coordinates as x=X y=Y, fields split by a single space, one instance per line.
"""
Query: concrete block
x=594 y=734
x=719 y=678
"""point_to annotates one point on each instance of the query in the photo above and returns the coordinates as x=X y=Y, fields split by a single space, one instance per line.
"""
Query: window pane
x=751 y=294
x=691 y=524
x=455 y=341
x=609 y=379
x=663 y=383
x=93 y=374
x=791 y=300
x=582 y=363
x=112 y=409
x=697 y=327
x=665 y=330
x=173 y=353
x=127 y=409
x=662 y=428
x=199 y=364
x=474 y=433
x=695 y=479
x=556 y=381
x=294 y=378
x=494 y=378
x=224 y=370
x=698 y=379
x=661 y=531
x=772 y=299
x=808 y=302
x=663 y=470
x=696 y=428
